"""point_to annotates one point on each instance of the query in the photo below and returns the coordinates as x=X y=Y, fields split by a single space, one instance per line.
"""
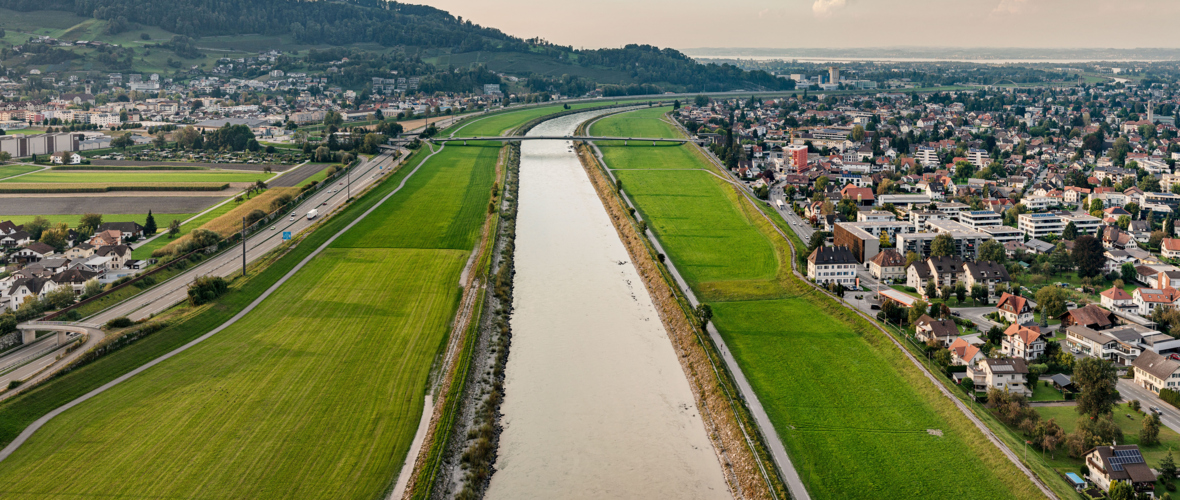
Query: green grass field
x=107 y=177
x=162 y=220
x=316 y=394
x=7 y=171
x=1067 y=417
x=852 y=411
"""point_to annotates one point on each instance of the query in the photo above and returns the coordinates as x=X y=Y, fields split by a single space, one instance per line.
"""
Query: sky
x=686 y=24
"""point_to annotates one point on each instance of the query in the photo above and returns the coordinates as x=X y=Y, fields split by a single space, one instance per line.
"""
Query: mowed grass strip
x=7 y=171
x=850 y=408
x=316 y=394
x=129 y=177
x=640 y=155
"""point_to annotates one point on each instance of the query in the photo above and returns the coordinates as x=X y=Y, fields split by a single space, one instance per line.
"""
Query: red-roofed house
x=863 y=196
x=1170 y=248
x=1023 y=342
x=1149 y=299
x=1015 y=309
x=965 y=354
x=1116 y=299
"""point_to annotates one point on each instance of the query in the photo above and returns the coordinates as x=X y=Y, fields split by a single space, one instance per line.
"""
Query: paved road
x=772 y=440
x=37 y=424
x=165 y=295
x=43 y=367
x=1169 y=415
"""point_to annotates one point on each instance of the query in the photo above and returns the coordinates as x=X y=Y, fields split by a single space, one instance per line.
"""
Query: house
x=23 y=288
x=987 y=274
x=1148 y=299
x=944 y=271
x=942 y=331
x=125 y=229
x=15 y=239
x=1116 y=299
x=1022 y=342
x=889 y=264
x=8 y=227
x=1015 y=309
x=964 y=353
x=65 y=158
x=1155 y=371
x=106 y=238
x=1090 y=316
x=1108 y=464
x=1120 y=346
x=1170 y=248
x=1007 y=374
x=116 y=255
x=33 y=252
x=832 y=265
x=862 y=196
x=80 y=251
x=75 y=278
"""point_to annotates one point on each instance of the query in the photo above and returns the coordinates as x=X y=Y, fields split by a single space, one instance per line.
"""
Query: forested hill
x=390 y=24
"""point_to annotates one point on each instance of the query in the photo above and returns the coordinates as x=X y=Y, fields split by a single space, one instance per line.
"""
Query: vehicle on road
x=272 y=228
x=1155 y=410
x=293 y=217
x=313 y=213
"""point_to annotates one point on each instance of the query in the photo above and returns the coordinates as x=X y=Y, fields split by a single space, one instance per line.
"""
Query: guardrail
x=221 y=246
x=12 y=365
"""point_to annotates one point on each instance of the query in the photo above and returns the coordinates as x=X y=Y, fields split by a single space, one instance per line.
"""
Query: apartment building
x=832 y=265
x=979 y=219
x=1040 y=225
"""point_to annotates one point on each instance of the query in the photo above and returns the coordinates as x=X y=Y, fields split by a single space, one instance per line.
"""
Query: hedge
x=91 y=188
x=1170 y=396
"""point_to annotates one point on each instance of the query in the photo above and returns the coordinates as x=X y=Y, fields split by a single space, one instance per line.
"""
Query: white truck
x=312 y=214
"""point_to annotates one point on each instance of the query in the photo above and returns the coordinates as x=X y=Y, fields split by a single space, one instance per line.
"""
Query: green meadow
x=853 y=413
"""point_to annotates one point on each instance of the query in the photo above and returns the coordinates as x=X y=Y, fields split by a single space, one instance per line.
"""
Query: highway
x=167 y=294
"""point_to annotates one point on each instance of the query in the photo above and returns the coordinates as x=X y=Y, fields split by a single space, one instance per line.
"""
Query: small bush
x=205 y=289
x=120 y=322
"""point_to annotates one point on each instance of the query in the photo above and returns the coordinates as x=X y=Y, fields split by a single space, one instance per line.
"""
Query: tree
x=1070 y=232
x=5 y=156
x=960 y=292
x=1051 y=301
x=1167 y=466
x=56 y=236
x=816 y=241
x=1150 y=184
x=942 y=357
x=978 y=293
x=884 y=240
x=1124 y=222
x=124 y=141
x=857 y=134
x=821 y=183
x=1121 y=490
x=149 y=225
x=1088 y=256
x=89 y=224
x=1149 y=435
x=917 y=310
x=931 y=290
x=1096 y=208
x=1170 y=225
x=1128 y=271
x=942 y=246
x=36 y=226
x=322 y=154
x=911 y=257
x=704 y=314
x=1051 y=436
x=1133 y=208
x=333 y=118
x=992 y=250
x=174 y=228
x=1096 y=379
x=1060 y=259
x=187 y=137
x=160 y=141
x=61 y=297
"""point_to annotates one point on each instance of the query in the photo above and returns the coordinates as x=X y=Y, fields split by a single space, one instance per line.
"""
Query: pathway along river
x=596 y=404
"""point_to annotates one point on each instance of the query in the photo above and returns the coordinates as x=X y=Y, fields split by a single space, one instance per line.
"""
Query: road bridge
x=29 y=329
x=626 y=140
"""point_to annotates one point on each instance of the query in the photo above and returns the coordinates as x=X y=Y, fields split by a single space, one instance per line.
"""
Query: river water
x=596 y=404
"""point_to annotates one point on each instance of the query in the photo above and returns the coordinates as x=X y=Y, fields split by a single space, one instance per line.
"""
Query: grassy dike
x=746 y=462
x=439 y=230
x=853 y=412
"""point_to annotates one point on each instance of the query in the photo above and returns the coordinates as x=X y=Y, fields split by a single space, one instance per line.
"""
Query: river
x=596 y=404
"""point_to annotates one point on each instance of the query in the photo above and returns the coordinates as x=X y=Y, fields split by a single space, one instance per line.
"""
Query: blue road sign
x=286 y=235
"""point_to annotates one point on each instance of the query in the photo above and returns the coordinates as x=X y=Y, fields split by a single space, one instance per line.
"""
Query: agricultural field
x=154 y=177
x=162 y=219
x=854 y=414
x=316 y=394
x=7 y=171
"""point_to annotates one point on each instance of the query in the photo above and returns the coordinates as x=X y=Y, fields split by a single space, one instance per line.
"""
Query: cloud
x=824 y=8
x=1010 y=7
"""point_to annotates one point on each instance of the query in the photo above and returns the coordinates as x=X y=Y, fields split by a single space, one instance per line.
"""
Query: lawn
x=316 y=394
x=1067 y=417
x=7 y=171
x=108 y=177
x=852 y=411
x=162 y=220
x=1044 y=391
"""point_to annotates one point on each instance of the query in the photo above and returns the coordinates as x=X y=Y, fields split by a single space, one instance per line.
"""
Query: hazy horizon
x=683 y=24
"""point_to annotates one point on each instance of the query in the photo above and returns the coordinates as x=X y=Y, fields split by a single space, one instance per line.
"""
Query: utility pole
x=243 y=247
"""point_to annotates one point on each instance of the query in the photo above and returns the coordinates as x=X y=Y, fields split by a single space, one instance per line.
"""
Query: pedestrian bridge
x=626 y=140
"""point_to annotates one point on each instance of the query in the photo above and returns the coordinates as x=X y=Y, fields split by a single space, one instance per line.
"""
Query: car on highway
x=293 y=217
x=1155 y=410
x=272 y=228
